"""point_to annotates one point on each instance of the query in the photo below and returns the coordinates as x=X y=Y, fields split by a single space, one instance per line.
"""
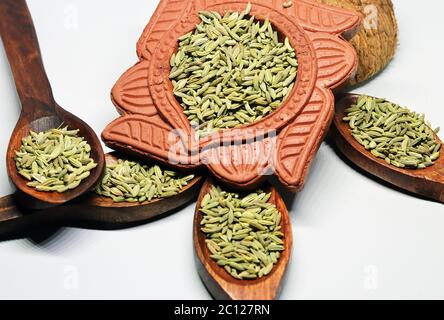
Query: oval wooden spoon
x=427 y=182
x=91 y=211
x=40 y=112
x=223 y=286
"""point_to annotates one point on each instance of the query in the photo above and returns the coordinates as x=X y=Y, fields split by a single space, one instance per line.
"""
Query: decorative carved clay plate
x=152 y=122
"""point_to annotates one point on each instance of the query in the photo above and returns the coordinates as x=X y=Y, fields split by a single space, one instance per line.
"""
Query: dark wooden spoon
x=427 y=182
x=40 y=112
x=91 y=211
x=223 y=286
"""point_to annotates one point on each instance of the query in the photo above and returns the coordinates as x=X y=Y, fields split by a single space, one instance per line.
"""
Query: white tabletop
x=347 y=244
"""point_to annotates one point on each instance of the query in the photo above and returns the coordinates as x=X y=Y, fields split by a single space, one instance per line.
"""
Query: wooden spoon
x=40 y=112
x=427 y=182
x=223 y=286
x=91 y=211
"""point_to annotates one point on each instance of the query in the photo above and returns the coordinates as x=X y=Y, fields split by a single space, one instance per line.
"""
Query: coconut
x=377 y=40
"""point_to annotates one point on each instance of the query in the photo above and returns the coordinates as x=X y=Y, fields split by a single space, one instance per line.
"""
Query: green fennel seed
x=130 y=181
x=54 y=160
x=243 y=234
x=232 y=71
x=399 y=136
x=287 y=4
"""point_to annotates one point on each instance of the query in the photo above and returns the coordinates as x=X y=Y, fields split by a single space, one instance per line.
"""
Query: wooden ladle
x=40 y=112
x=223 y=286
x=91 y=211
x=427 y=182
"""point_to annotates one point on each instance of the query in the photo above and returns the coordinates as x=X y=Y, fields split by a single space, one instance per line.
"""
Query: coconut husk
x=375 y=43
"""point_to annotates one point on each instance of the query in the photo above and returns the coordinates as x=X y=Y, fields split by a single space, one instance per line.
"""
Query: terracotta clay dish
x=285 y=142
x=91 y=211
x=223 y=286
x=427 y=182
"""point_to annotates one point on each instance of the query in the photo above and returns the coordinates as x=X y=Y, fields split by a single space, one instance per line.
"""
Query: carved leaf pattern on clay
x=242 y=164
x=150 y=136
x=336 y=59
x=166 y=16
x=299 y=142
x=318 y=17
x=131 y=93
x=301 y=139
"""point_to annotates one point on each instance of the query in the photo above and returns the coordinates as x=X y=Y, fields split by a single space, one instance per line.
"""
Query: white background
x=354 y=238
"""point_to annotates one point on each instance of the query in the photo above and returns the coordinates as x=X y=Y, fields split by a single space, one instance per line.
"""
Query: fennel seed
x=232 y=71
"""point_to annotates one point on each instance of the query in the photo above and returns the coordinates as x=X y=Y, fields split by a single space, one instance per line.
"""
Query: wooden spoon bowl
x=91 y=211
x=32 y=197
x=223 y=286
x=105 y=202
x=427 y=182
x=40 y=112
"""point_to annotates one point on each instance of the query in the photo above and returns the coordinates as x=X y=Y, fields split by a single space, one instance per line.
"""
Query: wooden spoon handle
x=18 y=222
x=12 y=219
x=84 y=212
x=22 y=48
